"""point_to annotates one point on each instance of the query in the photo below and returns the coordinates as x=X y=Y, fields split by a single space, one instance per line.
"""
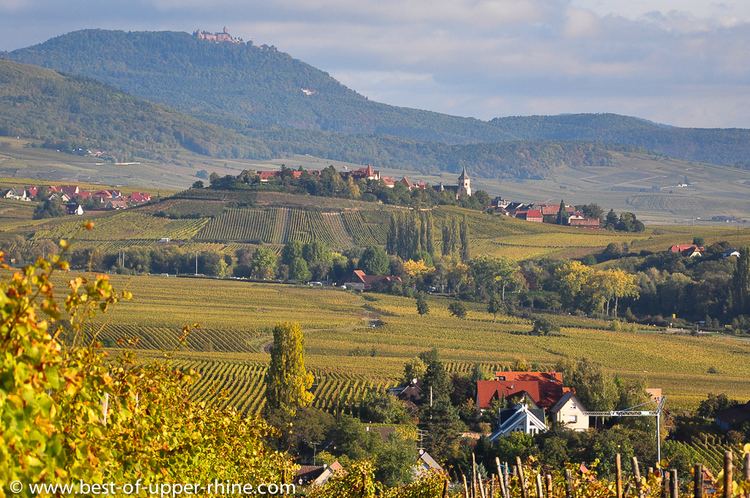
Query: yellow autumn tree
x=288 y=382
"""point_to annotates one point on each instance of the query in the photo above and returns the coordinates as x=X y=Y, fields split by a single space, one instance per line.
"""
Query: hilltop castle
x=223 y=37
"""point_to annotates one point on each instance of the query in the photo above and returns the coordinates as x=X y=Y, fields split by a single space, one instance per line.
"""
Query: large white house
x=570 y=413
x=520 y=418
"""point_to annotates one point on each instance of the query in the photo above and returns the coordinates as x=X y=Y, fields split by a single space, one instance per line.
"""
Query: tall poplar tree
x=741 y=283
x=465 y=254
x=430 y=248
x=288 y=383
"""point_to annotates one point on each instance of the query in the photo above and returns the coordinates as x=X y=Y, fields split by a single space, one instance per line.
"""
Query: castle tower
x=464 y=185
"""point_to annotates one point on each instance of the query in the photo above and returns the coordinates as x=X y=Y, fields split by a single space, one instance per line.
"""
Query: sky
x=681 y=62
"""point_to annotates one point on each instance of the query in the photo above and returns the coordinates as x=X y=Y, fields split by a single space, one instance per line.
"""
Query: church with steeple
x=462 y=189
x=464 y=185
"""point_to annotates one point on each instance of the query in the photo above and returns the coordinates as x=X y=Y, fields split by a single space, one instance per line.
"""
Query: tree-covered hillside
x=240 y=85
x=68 y=112
x=712 y=145
x=257 y=89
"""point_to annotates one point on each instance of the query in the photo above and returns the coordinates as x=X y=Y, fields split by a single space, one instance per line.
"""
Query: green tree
x=543 y=326
x=741 y=283
x=288 y=383
x=374 y=261
x=299 y=271
x=444 y=428
x=414 y=369
x=465 y=253
x=48 y=209
x=494 y=306
x=610 y=222
x=291 y=251
x=457 y=309
x=562 y=214
x=381 y=407
x=422 y=307
x=263 y=263
x=595 y=389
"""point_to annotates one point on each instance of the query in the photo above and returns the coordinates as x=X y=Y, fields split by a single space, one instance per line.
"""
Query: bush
x=543 y=326
x=457 y=309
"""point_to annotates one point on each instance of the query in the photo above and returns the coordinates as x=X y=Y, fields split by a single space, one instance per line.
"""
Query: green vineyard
x=709 y=452
x=241 y=385
x=282 y=225
x=163 y=338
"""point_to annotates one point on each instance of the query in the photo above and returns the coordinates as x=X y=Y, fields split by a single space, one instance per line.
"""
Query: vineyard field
x=241 y=385
x=371 y=336
x=281 y=225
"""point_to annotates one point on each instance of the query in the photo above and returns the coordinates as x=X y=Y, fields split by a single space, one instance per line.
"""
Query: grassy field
x=355 y=342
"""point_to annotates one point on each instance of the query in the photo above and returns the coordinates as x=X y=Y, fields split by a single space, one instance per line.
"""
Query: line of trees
x=411 y=236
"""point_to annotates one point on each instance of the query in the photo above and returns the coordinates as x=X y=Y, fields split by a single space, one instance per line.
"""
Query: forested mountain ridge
x=727 y=146
x=69 y=112
x=241 y=85
x=265 y=104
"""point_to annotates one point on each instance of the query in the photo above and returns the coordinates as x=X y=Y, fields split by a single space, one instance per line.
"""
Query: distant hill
x=285 y=106
x=241 y=85
x=711 y=145
x=69 y=112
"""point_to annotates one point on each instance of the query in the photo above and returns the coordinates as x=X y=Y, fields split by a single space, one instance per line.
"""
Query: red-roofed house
x=265 y=176
x=553 y=209
x=139 y=197
x=361 y=281
x=368 y=173
x=689 y=250
x=543 y=388
x=578 y=220
x=534 y=215
x=388 y=181
x=407 y=183
x=71 y=191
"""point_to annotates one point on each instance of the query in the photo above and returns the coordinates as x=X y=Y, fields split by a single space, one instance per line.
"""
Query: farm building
x=361 y=281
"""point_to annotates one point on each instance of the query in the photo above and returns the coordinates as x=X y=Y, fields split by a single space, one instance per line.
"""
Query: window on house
x=572 y=419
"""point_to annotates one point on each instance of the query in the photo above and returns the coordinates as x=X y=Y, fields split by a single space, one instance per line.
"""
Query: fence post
x=568 y=483
x=473 y=476
x=618 y=475
x=539 y=486
x=728 y=478
x=747 y=467
x=466 y=488
x=637 y=476
x=445 y=488
x=665 y=478
x=698 y=481
x=548 y=483
x=521 y=477
x=503 y=491
x=675 y=484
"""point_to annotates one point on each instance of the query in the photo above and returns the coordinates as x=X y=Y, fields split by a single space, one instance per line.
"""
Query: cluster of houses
x=461 y=190
x=542 y=212
x=527 y=402
x=697 y=251
x=74 y=197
